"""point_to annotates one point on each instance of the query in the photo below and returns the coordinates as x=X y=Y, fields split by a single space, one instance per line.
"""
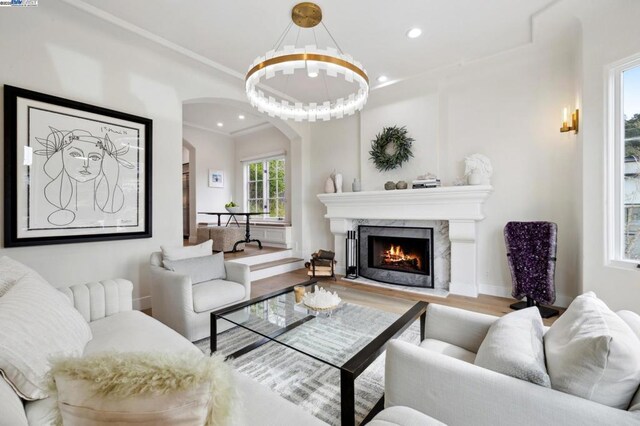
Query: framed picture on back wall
x=216 y=179
x=73 y=172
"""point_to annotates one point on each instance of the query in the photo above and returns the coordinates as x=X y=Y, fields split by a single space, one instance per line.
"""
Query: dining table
x=232 y=216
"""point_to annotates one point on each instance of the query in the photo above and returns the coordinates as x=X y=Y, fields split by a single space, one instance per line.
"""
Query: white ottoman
x=403 y=416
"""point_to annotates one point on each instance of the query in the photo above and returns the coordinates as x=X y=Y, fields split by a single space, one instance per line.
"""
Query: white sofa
x=186 y=307
x=107 y=306
x=438 y=378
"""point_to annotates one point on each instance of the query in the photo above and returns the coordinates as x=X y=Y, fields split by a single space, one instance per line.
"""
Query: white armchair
x=439 y=378
x=186 y=307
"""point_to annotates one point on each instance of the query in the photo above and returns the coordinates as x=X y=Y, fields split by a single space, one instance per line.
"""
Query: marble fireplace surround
x=460 y=206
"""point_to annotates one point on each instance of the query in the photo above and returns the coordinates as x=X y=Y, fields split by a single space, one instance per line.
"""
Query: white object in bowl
x=321 y=299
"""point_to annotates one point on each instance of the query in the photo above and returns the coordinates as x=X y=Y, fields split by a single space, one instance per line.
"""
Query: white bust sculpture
x=477 y=169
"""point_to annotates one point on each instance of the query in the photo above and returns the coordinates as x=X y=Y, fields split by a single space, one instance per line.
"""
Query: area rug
x=311 y=384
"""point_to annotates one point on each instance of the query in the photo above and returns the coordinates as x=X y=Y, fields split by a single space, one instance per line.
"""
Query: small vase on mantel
x=338 y=181
x=329 y=186
x=356 y=186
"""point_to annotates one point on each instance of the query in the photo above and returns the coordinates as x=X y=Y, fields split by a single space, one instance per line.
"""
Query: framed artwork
x=216 y=179
x=73 y=172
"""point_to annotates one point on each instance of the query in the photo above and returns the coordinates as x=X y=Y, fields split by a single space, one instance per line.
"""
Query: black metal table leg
x=213 y=338
x=247 y=237
x=423 y=320
x=347 y=398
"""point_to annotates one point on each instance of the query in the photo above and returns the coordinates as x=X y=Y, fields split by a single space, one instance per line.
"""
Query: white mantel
x=461 y=206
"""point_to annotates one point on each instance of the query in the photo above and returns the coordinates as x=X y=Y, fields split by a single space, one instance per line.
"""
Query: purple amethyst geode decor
x=531 y=252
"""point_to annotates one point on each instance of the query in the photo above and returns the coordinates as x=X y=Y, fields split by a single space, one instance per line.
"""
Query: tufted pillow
x=592 y=353
x=36 y=321
x=200 y=269
x=514 y=347
x=182 y=252
x=138 y=388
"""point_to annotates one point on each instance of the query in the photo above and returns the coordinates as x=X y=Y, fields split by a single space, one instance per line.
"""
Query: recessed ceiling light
x=241 y=117
x=414 y=33
x=220 y=124
x=382 y=79
x=312 y=74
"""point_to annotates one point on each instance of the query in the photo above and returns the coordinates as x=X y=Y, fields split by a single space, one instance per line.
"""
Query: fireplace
x=396 y=255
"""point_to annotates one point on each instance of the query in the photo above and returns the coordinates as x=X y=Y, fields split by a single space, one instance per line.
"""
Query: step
x=265 y=265
x=264 y=258
x=275 y=267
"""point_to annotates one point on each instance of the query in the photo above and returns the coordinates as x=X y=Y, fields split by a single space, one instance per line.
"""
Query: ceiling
x=229 y=35
x=234 y=33
x=206 y=116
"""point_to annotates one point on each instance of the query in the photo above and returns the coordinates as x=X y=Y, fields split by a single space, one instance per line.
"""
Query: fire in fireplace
x=396 y=255
x=399 y=253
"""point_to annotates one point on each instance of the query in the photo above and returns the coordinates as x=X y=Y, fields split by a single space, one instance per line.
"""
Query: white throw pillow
x=200 y=269
x=144 y=389
x=514 y=347
x=592 y=353
x=12 y=270
x=37 y=321
x=182 y=252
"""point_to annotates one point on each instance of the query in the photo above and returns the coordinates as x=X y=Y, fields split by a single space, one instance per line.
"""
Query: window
x=266 y=187
x=625 y=162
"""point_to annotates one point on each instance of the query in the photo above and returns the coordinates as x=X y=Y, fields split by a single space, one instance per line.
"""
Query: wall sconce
x=575 y=118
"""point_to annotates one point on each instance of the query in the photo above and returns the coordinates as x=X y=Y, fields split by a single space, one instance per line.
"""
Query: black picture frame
x=89 y=114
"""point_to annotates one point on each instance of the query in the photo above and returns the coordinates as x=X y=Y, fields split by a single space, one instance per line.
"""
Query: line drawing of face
x=82 y=160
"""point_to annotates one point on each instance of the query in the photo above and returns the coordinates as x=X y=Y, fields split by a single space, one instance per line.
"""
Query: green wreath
x=391 y=148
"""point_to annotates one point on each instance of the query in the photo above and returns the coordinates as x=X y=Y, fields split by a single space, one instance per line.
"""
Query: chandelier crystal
x=316 y=62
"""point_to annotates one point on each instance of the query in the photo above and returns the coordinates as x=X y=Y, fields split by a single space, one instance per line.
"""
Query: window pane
x=631 y=197
x=281 y=208
x=259 y=189
x=252 y=190
x=259 y=172
x=273 y=188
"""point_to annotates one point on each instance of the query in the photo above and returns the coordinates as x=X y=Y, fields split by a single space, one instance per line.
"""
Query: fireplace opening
x=399 y=254
x=396 y=255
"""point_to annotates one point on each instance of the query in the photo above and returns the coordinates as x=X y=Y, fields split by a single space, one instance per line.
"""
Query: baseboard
x=501 y=291
x=142 y=303
x=462 y=289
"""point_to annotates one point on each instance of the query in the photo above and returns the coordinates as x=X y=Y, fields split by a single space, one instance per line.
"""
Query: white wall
x=335 y=147
x=71 y=54
x=401 y=106
x=213 y=151
x=256 y=145
x=610 y=34
x=507 y=107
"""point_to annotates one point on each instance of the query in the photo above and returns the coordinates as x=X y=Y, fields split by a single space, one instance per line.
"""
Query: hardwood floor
x=491 y=305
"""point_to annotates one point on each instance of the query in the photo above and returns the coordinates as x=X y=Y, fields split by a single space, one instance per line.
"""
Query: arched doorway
x=295 y=133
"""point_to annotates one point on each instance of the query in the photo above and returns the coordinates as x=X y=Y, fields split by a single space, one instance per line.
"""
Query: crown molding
x=106 y=16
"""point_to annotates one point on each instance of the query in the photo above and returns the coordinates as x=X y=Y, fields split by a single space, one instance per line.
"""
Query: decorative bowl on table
x=321 y=300
x=236 y=209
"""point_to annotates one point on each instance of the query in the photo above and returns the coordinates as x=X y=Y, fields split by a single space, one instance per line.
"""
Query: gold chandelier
x=330 y=62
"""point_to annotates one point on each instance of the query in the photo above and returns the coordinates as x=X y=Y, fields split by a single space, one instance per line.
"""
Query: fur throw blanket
x=124 y=375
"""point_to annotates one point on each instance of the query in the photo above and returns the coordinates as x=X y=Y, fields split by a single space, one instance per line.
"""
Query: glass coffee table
x=362 y=323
